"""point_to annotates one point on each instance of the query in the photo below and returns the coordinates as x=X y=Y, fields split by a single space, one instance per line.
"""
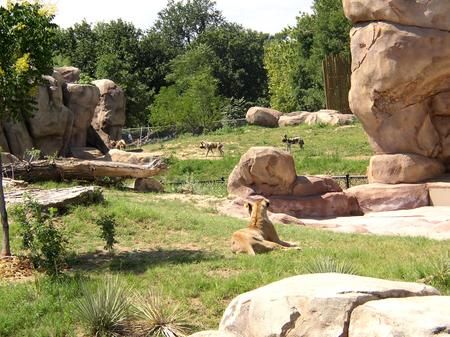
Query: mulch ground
x=15 y=268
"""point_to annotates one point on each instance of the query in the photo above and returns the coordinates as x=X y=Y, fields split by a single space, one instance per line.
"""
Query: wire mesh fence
x=149 y=134
x=218 y=186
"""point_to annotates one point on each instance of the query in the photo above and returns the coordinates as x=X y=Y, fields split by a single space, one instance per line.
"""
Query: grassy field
x=180 y=244
x=328 y=150
x=182 y=247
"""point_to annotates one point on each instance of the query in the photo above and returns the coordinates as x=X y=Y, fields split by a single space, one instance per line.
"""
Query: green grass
x=328 y=150
x=183 y=249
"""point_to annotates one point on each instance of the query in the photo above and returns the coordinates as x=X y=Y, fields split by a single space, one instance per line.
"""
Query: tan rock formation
x=50 y=125
x=403 y=168
x=401 y=76
x=70 y=74
x=270 y=172
x=385 y=197
x=109 y=117
x=328 y=117
x=148 y=185
x=310 y=305
x=18 y=137
x=427 y=316
x=3 y=141
x=263 y=116
x=137 y=158
x=421 y=13
x=81 y=99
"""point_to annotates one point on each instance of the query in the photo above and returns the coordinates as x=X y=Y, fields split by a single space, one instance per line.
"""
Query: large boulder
x=403 y=168
x=136 y=158
x=385 y=197
x=427 y=316
x=293 y=118
x=19 y=139
x=263 y=116
x=428 y=14
x=310 y=305
x=270 y=172
x=148 y=185
x=4 y=146
x=263 y=170
x=81 y=99
x=401 y=75
x=326 y=117
x=51 y=124
x=109 y=117
x=69 y=74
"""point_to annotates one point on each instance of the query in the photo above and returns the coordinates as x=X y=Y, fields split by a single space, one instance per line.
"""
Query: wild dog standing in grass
x=210 y=146
x=293 y=140
x=260 y=235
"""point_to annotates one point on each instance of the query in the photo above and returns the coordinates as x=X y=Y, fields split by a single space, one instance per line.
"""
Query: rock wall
x=336 y=305
x=401 y=82
x=63 y=115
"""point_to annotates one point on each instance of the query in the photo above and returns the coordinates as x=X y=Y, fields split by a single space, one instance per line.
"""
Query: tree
x=191 y=103
x=240 y=51
x=25 y=57
x=181 y=22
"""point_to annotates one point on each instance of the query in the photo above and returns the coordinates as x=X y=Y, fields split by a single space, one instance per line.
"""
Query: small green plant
x=32 y=154
x=41 y=237
x=328 y=264
x=439 y=275
x=107 y=224
x=157 y=317
x=105 y=311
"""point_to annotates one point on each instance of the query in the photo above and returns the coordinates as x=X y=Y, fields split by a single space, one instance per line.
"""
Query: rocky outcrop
x=385 y=197
x=51 y=124
x=427 y=14
x=148 y=185
x=326 y=117
x=81 y=99
x=401 y=76
x=263 y=117
x=270 y=172
x=137 y=158
x=63 y=115
x=70 y=74
x=402 y=317
x=109 y=117
x=403 y=168
x=310 y=305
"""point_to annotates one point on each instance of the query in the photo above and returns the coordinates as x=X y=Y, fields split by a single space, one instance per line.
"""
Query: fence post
x=347 y=180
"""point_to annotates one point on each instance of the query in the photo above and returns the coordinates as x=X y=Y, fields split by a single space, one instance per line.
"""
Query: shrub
x=329 y=265
x=44 y=241
x=105 y=310
x=158 y=318
x=107 y=224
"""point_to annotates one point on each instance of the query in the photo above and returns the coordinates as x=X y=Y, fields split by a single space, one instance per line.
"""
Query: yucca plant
x=157 y=317
x=327 y=264
x=105 y=310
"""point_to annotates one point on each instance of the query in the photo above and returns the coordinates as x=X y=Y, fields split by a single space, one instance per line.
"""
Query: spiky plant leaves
x=105 y=310
x=329 y=265
x=158 y=317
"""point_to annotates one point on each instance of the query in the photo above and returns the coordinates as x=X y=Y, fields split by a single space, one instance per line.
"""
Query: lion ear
x=249 y=207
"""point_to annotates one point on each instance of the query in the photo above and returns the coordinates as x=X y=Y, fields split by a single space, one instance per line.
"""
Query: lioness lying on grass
x=260 y=235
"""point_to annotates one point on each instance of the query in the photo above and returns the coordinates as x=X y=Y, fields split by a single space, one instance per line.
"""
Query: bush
x=44 y=241
x=329 y=265
x=107 y=224
x=158 y=318
x=104 y=311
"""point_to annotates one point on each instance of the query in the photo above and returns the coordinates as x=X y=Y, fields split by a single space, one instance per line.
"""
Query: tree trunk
x=6 y=250
x=88 y=170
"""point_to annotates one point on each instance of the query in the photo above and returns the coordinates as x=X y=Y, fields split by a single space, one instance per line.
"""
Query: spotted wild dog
x=260 y=235
x=293 y=140
x=210 y=146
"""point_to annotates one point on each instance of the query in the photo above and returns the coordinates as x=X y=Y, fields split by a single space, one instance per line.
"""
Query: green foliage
x=240 y=69
x=328 y=264
x=181 y=22
x=294 y=58
x=107 y=224
x=191 y=103
x=32 y=154
x=158 y=317
x=105 y=310
x=25 y=57
x=41 y=238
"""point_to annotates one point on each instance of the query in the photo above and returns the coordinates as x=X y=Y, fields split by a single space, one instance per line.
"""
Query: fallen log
x=57 y=198
x=73 y=169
